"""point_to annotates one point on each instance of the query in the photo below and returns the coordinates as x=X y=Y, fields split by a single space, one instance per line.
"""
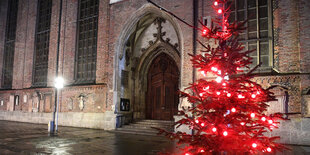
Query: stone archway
x=160 y=34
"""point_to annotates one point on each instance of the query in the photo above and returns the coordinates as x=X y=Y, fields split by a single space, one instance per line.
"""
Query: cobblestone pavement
x=25 y=138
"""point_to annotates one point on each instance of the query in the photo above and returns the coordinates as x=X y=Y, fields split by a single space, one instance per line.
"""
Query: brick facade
x=116 y=21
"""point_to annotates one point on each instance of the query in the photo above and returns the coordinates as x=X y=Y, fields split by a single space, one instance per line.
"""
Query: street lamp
x=59 y=84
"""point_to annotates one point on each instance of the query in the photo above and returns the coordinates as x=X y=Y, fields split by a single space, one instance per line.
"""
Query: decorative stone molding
x=69 y=103
x=36 y=101
x=159 y=36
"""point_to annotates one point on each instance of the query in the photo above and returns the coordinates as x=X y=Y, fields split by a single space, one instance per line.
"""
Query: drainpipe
x=195 y=24
x=57 y=62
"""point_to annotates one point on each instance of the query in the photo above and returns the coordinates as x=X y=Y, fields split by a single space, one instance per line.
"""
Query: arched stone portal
x=153 y=34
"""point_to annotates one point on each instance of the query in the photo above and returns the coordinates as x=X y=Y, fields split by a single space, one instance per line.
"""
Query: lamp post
x=59 y=84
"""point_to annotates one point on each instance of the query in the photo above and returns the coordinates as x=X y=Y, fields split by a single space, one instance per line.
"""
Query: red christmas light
x=252 y=115
x=214 y=129
x=214 y=69
x=203 y=73
x=270 y=121
x=241 y=96
x=202 y=124
x=228 y=95
x=254 y=145
x=219 y=79
x=264 y=119
x=206 y=88
x=196 y=121
x=219 y=11
x=216 y=3
x=225 y=133
x=242 y=123
x=205 y=31
x=218 y=93
x=233 y=109
x=253 y=95
x=269 y=149
x=202 y=150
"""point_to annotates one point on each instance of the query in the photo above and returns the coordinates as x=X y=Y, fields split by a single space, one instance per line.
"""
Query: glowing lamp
x=268 y=149
x=218 y=93
x=59 y=82
x=270 y=121
x=219 y=79
x=202 y=150
x=253 y=95
x=254 y=145
x=219 y=11
x=216 y=3
x=242 y=123
x=228 y=95
x=252 y=115
x=264 y=119
x=200 y=94
x=196 y=121
x=202 y=124
x=224 y=84
x=225 y=133
x=214 y=129
x=233 y=109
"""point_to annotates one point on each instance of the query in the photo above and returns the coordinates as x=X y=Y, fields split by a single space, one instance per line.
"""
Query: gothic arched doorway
x=162 y=97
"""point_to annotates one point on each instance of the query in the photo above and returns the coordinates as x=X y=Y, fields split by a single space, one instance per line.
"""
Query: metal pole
x=57 y=109
x=57 y=61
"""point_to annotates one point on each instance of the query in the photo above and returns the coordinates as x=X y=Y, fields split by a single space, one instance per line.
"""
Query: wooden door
x=162 y=97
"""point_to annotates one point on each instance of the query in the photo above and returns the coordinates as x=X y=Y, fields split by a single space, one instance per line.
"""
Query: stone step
x=143 y=127
x=155 y=121
x=134 y=126
x=136 y=132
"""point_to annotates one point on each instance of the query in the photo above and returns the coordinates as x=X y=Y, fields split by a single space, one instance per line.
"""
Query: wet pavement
x=25 y=138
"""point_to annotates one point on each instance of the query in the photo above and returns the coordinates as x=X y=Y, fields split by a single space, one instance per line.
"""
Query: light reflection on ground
x=24 y=138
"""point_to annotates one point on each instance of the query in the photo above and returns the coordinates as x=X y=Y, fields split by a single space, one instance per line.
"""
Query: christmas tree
x=228 y=112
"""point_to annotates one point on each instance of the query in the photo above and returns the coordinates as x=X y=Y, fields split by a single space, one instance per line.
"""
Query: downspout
x=195 y=24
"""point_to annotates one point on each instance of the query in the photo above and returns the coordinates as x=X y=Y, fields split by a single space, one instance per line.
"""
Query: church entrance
x=162 y=96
